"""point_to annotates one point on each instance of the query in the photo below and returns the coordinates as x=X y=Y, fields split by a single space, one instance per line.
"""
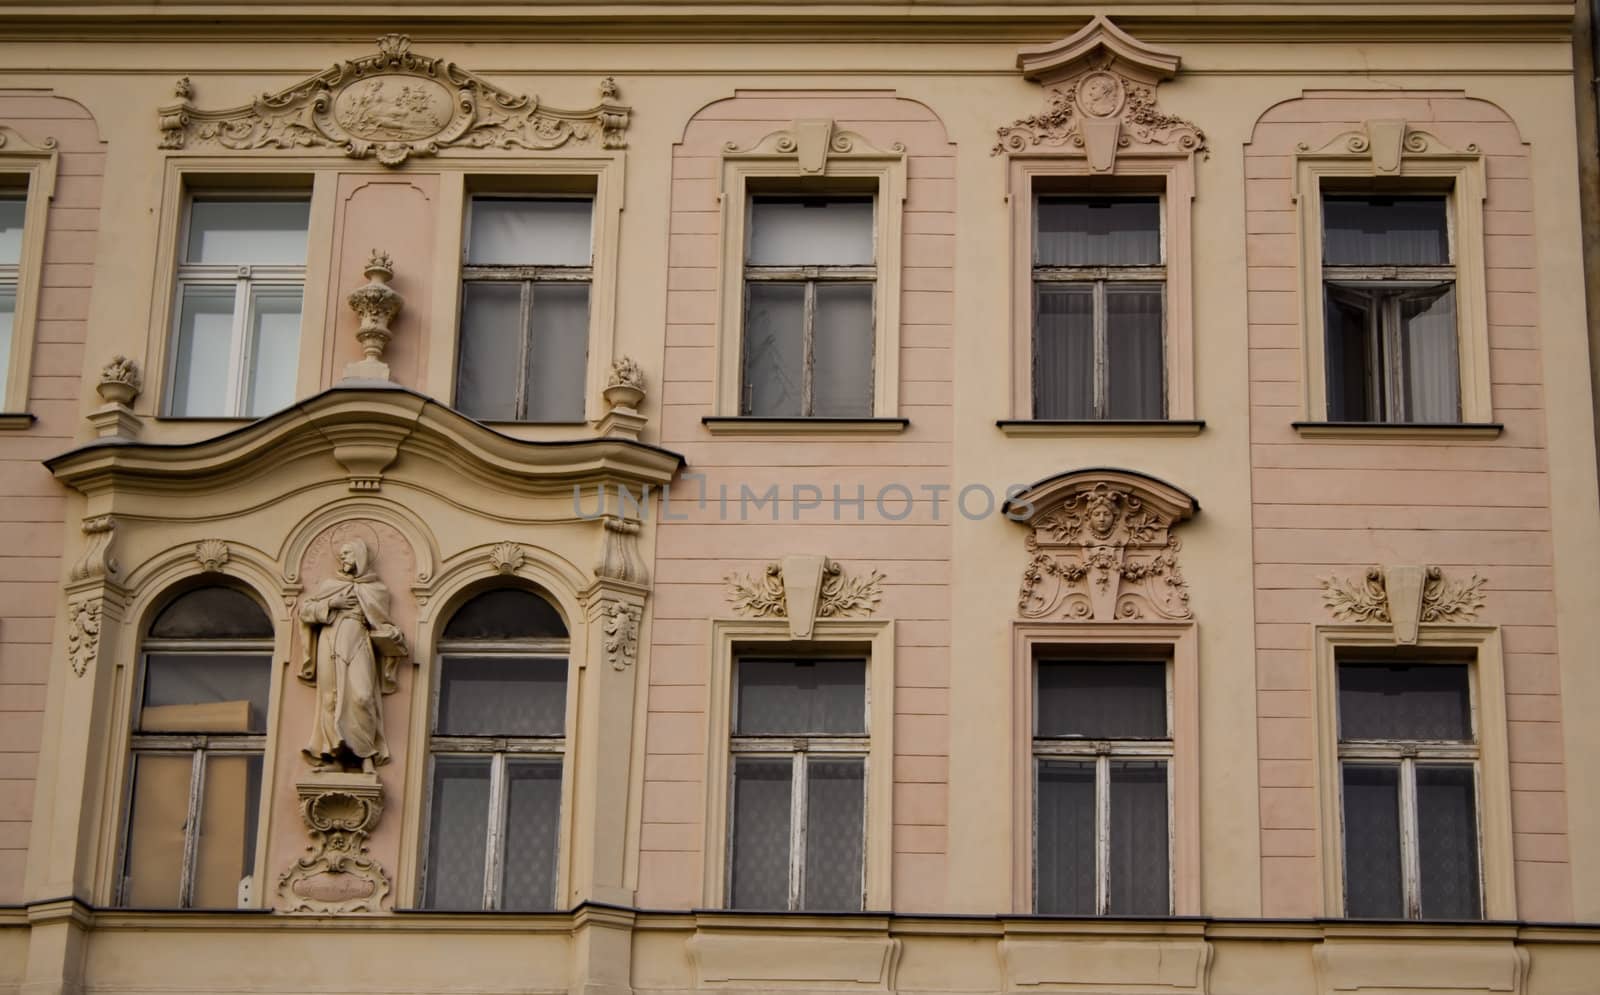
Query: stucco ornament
x=1404 y=596
x=803 y=589
x=96 y=561
x=352 y=650
x=336 y=875
x=83 y=633
x=619 y=557
x=508 y=557
x=620 y=628
x=211 y=554
x=376 y=304
x=119 y=382
x=1102 y=547
x=625 y=385
x=392 y=105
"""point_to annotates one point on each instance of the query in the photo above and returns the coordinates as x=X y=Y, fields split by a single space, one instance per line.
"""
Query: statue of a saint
x=351 y=652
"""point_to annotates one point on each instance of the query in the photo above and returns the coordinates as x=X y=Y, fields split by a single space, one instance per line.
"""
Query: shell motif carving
x=508 y=557
x=211 y=554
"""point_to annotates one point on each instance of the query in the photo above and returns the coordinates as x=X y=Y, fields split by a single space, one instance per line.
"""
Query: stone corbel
x=804 y=588
x=95 y=600
x=1403 y=596
x=337 y=874
x=619 y=558
x=813 y=143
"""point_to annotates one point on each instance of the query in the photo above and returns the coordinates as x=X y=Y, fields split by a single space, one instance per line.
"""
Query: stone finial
x=376 y=303
x=119 y=384
x=608 y=88
x=623 y=392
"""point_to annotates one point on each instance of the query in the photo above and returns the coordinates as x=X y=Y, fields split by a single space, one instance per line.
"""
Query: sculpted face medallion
x=393 y=108
x=1100 y=94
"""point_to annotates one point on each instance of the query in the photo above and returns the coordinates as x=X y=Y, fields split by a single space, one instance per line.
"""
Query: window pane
x=1447 y=842
x=1372 y=841
x=507 y=613
x=205 y=343
x=1063 y=352
x=529 y=232
x=1134 y=360
x=774 y=350
x=1428 y=355
x=1396 y=701
x=503 y=696
x=792 y=697
x=1098 y=231
x=558 y=361
x=533 y=810
x=1348 y=317
x=8 y=318
x=1139 y=879
x=457 y=833
x=259 y=232
x=274 y=349
x=811 y=231
x=212 y=613
x=1102 y=700
x=1394 y=231
x=760 y=867
x=1064 y=841
x=205 y=692
x=226 y=852
x=12 y=212
x=835 y=799
x=491 y=351
x=153 y=865
x=841 y=351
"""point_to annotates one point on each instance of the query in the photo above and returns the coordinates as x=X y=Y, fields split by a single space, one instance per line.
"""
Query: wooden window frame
x=32 y=171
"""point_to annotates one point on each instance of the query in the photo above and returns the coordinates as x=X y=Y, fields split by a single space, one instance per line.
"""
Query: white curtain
x=1098 y=231
x=1134 y=362
x=1384 y=231
x=1063 y=352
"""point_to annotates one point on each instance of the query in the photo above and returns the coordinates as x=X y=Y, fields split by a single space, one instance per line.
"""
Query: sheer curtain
x=1102 y=700
x=1384 y=231
x=1447 y=841
x=1372 y=841
x=1389 y=701
x=835 y=801
x=1064 y=858
x=1428 y=355
x=1063 y=352
x=1139 y=880
x=1102 y=231
x=1134 y=361
x=761 y=793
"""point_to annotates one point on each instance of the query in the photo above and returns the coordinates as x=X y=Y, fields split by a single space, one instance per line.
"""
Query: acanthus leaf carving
x=211 y=554
x=1363 y=600
x=620 y=632
x=392 y=105
x=761 y=596
x=83 y=632
x=96 y=561
x=1451 y=601
x=1367 y=599
x=841 y=595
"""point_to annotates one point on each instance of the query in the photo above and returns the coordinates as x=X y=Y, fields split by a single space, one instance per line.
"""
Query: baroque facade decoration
x=337 y=874
x=1387 y=143
x=392 y=105
x=812 y=142
x=83 y=632
x=803 y=589
x=620 y=628
x=1102 y=547
x=376 y=303
x=211 y=554
x=1403 y=596
x=1100 y=100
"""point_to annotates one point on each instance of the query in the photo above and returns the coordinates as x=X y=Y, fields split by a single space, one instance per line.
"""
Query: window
x=798 y=793
x=525 y=309
x=241 y=279
x=1099 y=286
x=13 y=210
x=808 y=311
x=499 y=738
x=1408 y=759
x=199 y=735
x=1102 y=753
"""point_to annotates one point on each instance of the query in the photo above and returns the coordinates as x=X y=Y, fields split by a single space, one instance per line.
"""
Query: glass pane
x=205 y=692
x=457 y=833
x=841 y=351
x=214 y=613
x=1447 y=841
x=1138 y=876
x=205 y=344
x=8 y=318
x=258 y=232
x=1064 y=838
x=1372 y=841
x=225 y=854
x=533 y=811
x=811 y=231
x=558 y=360
x=1098 y=231
x=274 y=349
x=12 y=212
x=491 y=351
x=774 y=350
x=1063 y=352
x=1102 y=700
x=761 y=807
x=1393 y=231
x=154 y=860
x=1428 y=355
x=503 y=696
x=792 y=697
x=529 y=232
x=1397 y=701
x=835 y=799
x=507 y=613
x=1348 y=317
x=1135 y=365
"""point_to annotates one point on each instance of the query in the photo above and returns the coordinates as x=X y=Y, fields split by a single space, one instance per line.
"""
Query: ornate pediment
x=1102 y=547
x=803 y=589
x=391 y=105
x=1100 y=100
x=1404 y=596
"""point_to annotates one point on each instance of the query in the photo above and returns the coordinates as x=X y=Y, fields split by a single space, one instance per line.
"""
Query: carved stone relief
x=812 y=143
x=620 y=628
x=1387 y=143
x=376 y=303
x=83 y=632
x=391 y=105
x=508 y=557
x=336 y=874
x=803 y=589
x=119 y=385
x=211 y=554
x=619 y=553
x=1403 y=596
x=96 y=561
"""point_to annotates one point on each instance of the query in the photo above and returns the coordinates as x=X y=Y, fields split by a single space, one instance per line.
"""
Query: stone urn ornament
x=625 y=387
x=376 y=303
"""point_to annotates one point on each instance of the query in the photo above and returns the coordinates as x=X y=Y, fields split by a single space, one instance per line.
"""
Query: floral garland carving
x=1367 y=599
x=1101 y=93
x=842 y=595
x=83 y=633
x=620 y=630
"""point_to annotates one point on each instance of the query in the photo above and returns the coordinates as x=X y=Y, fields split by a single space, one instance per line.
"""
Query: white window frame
x=30 y=169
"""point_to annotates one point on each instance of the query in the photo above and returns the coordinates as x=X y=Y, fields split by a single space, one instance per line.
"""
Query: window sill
x=1396 y=431
x=744 y=425
x=1061 y=427
x=15 y=421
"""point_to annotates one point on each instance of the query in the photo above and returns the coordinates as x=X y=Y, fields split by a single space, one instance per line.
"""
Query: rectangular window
x=13 y=209
x=810 y=275
x=798 y=793
x=1099 y=303
x=1102 y=754
x=525 y=283
x=241 y=279
x=1389 y=292
x=1408 y=760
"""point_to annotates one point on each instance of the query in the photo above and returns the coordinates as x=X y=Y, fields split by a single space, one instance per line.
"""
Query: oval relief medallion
x=1100 y=94
x=394 y=108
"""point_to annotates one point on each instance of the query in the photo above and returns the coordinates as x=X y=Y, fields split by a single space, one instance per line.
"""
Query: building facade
x=768 y=497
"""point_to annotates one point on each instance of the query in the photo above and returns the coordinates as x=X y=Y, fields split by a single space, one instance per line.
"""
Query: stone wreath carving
x=391 y=105
x=1403 y=596
x=839 y=594
x=336 y=874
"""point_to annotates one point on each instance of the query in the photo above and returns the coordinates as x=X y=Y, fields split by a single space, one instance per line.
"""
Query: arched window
x=496 y=750
x=199 y=732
